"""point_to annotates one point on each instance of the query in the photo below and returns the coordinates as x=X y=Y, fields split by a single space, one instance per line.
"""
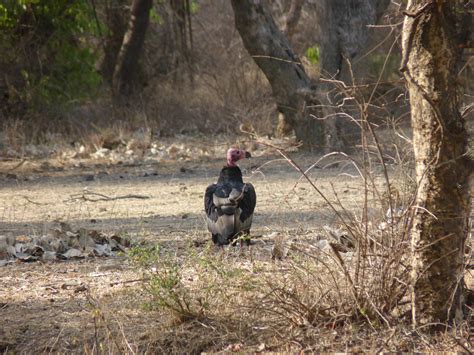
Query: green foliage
x=155 y=16
x=168 y=291
x=165 y=284
x=144 y=256
x=195 y=287
x=3 y=15
x=312 y=53
x=194 y=7
x=51 y=47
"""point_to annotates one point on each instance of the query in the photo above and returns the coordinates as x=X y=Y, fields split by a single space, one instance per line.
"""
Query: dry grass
x=191 y=299
x=310 y=301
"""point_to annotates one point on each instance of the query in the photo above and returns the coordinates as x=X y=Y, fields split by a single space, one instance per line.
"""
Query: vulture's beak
x=248 y=155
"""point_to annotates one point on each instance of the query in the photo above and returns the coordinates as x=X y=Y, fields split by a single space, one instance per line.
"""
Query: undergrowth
x=352 y=295
x=314 y=300
x=305 y=303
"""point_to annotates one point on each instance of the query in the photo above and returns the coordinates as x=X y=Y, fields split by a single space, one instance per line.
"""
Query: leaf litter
x=61 y=243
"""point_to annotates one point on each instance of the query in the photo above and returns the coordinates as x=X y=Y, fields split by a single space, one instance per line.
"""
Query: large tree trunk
x=344 y=33
x=344 y=30
x=290 y=84
x=127 y=62
x=116 y=20
x=431 y=54
x=183 y=38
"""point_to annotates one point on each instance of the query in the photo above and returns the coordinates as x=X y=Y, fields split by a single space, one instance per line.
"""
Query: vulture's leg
x=220 y=248
x=222 y=252
x=245 y=238
x=248 y=245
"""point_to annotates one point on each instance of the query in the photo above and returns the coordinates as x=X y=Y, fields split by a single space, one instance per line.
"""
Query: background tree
x=125 y=71
x=291 y=86
x=116 y=18
x=343 y=27
x=344 y=32
x=432 y=45
x=182 y=36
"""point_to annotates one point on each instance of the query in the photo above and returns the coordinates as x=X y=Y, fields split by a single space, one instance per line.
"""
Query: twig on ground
x=95 y=196
x=128 y=281
x=17 y=166
x=34 y=202
x=459 y=342
x=56 y=339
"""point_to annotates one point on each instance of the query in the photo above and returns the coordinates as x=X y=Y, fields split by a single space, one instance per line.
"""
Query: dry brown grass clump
x=310 y=301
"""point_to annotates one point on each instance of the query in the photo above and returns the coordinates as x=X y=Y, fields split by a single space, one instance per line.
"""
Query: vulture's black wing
x=209 y=206
x=247 y=206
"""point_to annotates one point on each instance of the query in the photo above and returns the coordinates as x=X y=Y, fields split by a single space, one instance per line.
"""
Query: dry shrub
x=200 y=297
x=20 y=138
x=316 y=299
x=209 y=109
x=352 y=295
x=109 y=335
x=13 y=135
x=311 y=301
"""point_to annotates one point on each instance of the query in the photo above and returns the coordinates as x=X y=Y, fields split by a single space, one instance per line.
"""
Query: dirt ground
x=56 y=306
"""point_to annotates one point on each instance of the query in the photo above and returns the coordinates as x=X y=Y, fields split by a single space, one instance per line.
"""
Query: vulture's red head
x=234 y=155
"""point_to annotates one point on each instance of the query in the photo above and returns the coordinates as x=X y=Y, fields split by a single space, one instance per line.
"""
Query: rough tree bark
x=431 y=54
x=292 y=17
x=344 y=30
x=183 y=37
x=116 y=20
x=344 y=33
x=127 y=60
x=290 y=84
